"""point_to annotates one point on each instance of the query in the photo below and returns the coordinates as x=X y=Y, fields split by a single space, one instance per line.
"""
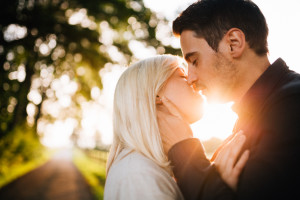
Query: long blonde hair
x=135 y=124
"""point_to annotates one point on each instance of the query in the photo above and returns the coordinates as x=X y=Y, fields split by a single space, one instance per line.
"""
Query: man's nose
x=192 y=78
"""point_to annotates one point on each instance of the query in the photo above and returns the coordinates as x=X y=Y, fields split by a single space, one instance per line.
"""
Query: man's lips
x=201 y=89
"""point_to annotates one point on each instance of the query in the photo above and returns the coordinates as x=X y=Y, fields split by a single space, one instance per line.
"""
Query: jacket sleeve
x=271 y=171
x=196 y=176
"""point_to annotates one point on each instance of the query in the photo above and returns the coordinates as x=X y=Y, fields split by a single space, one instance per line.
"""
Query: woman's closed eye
x=184 y=76
x=182 y=73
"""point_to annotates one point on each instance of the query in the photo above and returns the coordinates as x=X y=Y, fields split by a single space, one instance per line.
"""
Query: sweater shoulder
x=131 y=164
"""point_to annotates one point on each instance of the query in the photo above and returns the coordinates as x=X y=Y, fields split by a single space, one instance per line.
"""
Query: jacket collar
x=265 y=85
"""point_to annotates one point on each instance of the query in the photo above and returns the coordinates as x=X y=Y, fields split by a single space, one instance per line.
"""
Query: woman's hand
x=228 y=162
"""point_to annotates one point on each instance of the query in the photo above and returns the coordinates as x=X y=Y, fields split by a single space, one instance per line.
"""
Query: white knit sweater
x=135 y=177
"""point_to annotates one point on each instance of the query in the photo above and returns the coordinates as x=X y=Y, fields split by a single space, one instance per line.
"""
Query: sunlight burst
x=217 y=121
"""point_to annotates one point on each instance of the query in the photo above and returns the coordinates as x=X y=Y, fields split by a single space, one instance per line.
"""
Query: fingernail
x=247 y=151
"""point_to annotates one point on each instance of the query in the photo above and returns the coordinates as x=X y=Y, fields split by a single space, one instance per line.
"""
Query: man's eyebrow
x=188 y=55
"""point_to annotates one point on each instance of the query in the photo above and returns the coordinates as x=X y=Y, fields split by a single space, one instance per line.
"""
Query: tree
x=45 y=40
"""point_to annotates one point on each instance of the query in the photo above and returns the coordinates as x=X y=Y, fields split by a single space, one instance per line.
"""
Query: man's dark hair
x=211 y=19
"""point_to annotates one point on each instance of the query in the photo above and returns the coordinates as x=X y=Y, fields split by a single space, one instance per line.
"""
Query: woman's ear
x=158 y=100
x=236 y=41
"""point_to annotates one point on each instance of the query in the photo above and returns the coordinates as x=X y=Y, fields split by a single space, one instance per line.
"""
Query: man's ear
x=237 y=42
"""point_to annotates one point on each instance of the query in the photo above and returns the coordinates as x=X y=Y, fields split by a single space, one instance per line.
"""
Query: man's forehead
x=188 y=36
x=188 y=44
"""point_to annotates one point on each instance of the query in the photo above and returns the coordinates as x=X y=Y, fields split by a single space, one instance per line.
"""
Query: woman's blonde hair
x=135 y=124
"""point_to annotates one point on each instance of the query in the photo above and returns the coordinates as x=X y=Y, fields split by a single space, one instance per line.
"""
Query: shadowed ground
x=58 y=179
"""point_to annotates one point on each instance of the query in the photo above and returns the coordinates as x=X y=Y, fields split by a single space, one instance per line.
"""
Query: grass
x=93 y=170
x=20 y=152
x=10 y=173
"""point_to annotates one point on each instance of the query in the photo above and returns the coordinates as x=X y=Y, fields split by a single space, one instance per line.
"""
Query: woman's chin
x=194 y=117
x=193 y=113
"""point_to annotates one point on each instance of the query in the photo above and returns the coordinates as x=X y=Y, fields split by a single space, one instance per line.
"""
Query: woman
x=137 y=166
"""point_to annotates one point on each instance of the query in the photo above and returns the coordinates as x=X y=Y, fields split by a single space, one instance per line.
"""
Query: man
x=225 y=45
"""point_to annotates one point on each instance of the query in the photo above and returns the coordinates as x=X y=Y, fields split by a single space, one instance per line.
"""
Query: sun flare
x=217 y=121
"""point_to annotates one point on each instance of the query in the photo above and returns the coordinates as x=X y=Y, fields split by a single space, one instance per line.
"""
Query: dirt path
x=58 y=179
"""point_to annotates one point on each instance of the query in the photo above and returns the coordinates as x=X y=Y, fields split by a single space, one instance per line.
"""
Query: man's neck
x=250 y=70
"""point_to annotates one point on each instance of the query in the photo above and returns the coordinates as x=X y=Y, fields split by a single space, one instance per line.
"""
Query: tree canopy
x=42 y=41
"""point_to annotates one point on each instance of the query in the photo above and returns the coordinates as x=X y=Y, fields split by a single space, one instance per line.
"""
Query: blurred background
x=60 y=61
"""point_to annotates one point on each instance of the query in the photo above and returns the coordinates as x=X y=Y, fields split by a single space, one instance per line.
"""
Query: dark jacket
x=269 y=115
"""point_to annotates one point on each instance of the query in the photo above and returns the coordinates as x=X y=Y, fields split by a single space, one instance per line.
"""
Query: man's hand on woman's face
x=173 y=128
x=228 y=162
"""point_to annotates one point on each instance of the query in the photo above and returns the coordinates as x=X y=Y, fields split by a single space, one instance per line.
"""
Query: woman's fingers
x=221 y=160
x=239 y=166
x=235 y=149
x=228 y=162
x=219 y=149
x=227 y=155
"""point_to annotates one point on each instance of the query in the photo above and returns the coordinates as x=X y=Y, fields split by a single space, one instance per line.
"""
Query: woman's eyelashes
x=184 y=77
x=182 y=74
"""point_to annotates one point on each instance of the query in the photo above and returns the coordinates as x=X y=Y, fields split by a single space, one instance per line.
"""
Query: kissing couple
x=154 y=154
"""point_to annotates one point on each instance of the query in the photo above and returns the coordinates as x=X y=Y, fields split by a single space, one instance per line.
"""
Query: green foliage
x=39 y=44
x=38 y=39
x=93 y=170
x=20 y=152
